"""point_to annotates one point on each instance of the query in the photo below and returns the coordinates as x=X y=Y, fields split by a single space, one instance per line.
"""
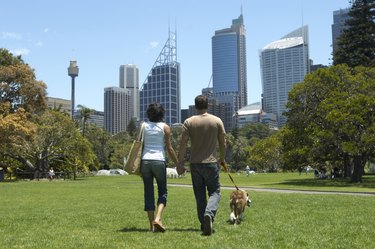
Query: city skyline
x=103 y=36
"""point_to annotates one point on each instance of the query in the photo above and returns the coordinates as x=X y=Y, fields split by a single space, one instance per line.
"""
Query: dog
x=239 y=199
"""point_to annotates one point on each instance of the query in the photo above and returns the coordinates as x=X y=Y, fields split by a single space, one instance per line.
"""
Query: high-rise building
x=64 y=105
x=214 y=106
x=283 y=63
x=163 y=83
x=229 y=72
x=129 y=79
x=116 y=109
x=339 y=19
x=97 y=118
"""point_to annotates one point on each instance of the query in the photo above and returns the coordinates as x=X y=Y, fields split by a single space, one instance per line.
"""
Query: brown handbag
x=133 y=164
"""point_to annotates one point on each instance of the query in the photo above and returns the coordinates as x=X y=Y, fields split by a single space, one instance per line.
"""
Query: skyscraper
x=129 y=79
x=163 y=83
x=116 y=109
x=339 y=19
x=283 y=63
x=229 y=72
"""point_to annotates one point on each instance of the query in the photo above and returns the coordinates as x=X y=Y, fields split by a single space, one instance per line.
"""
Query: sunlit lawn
x=107 y=212
x=292 y=181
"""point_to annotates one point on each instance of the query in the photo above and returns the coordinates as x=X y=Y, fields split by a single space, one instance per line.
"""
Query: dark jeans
x=206 y=175
x=151 y=169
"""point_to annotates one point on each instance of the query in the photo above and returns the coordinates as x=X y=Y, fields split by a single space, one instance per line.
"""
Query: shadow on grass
x=133 y=229
x=184 y=229
x=368 y=182
x=136 y=229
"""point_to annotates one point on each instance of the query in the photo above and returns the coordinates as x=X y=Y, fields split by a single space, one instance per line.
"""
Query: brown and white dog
x=239 y=199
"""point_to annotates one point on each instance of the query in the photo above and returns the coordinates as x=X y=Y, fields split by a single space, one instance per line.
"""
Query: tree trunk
x=24 y=161
x=347 y=166
x=359 y=165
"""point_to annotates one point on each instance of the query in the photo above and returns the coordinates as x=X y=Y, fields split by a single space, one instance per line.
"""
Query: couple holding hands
x=204 y=131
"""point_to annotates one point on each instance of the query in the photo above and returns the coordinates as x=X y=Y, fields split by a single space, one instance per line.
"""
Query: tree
x=255 y=131
x=99 y=140
x=84 y=114
x=239 y=153
x=356 y=44
x=15 y=131
x=132 y=127
x=331 y=117
x=236 y=151
x=265 y=154
x=57 y=143
x=118 y=148
x=18 y=85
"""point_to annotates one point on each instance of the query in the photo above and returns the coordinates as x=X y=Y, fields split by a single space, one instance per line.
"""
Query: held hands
x=180 y=168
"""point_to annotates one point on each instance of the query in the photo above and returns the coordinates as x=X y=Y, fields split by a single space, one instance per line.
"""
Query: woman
x=157 y=137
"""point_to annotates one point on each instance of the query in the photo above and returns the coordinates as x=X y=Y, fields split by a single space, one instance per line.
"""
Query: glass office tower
x=283 y=63
x=229 y=73
x=163 y=84
x=339 y=19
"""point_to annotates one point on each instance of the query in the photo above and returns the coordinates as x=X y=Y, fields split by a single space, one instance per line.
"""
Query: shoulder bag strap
x=140 y=135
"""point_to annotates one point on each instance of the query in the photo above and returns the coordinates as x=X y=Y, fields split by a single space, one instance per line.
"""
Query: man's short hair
x=201 y=102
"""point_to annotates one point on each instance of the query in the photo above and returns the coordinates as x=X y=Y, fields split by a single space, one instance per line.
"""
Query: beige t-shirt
x=203 y=131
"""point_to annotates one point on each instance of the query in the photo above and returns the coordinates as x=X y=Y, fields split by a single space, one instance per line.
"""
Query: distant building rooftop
x=254 y=108
x=285 y=43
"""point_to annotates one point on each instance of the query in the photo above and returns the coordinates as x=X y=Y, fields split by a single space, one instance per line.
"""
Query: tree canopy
x=331 y=118
x=18 y=85
x=356 y=44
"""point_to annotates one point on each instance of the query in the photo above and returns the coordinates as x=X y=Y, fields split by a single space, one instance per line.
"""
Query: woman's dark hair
x=155 y=112
x=201 y=102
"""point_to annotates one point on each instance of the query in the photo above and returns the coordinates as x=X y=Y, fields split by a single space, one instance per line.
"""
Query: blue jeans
x=151 y=169
x=206 y=175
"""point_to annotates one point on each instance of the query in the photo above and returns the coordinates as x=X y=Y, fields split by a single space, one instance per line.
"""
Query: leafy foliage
x=356 y=44
x=18 y=85
x=331 y=118
x=265 y=155
x=32 y=137
x=118 y=148
x=84 y=114
x=15 y=132
x=254 y=132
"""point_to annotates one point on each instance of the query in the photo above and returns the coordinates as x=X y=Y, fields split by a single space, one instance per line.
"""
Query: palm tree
x=236 y=149
x=84 y=113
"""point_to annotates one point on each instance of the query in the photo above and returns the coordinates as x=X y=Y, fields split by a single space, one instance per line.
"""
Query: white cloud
x=10 y=35
x=20 y=51
x=39 y=44
x=45 y=30
x=154 y=44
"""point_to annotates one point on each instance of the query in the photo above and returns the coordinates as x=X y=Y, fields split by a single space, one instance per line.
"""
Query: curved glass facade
x=283 y=65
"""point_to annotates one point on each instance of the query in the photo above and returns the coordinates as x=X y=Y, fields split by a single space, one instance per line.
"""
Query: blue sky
x=102 y=35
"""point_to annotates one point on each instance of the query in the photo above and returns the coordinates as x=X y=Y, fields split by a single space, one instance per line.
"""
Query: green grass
x=292 y=181
x=107 y=212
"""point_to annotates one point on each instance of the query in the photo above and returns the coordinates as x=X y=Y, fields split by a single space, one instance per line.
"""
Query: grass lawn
x=107 y=212
x=292 y=181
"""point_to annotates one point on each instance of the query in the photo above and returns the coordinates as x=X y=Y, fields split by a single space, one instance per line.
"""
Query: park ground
x=107 y=212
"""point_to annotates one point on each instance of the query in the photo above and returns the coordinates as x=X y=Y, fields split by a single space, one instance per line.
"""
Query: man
x=204 y=131
x=247 y=170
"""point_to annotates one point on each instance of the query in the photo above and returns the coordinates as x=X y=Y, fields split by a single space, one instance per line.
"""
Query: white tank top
x=153 y=141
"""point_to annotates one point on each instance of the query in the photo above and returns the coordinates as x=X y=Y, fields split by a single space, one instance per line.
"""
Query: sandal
x=158 y=226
